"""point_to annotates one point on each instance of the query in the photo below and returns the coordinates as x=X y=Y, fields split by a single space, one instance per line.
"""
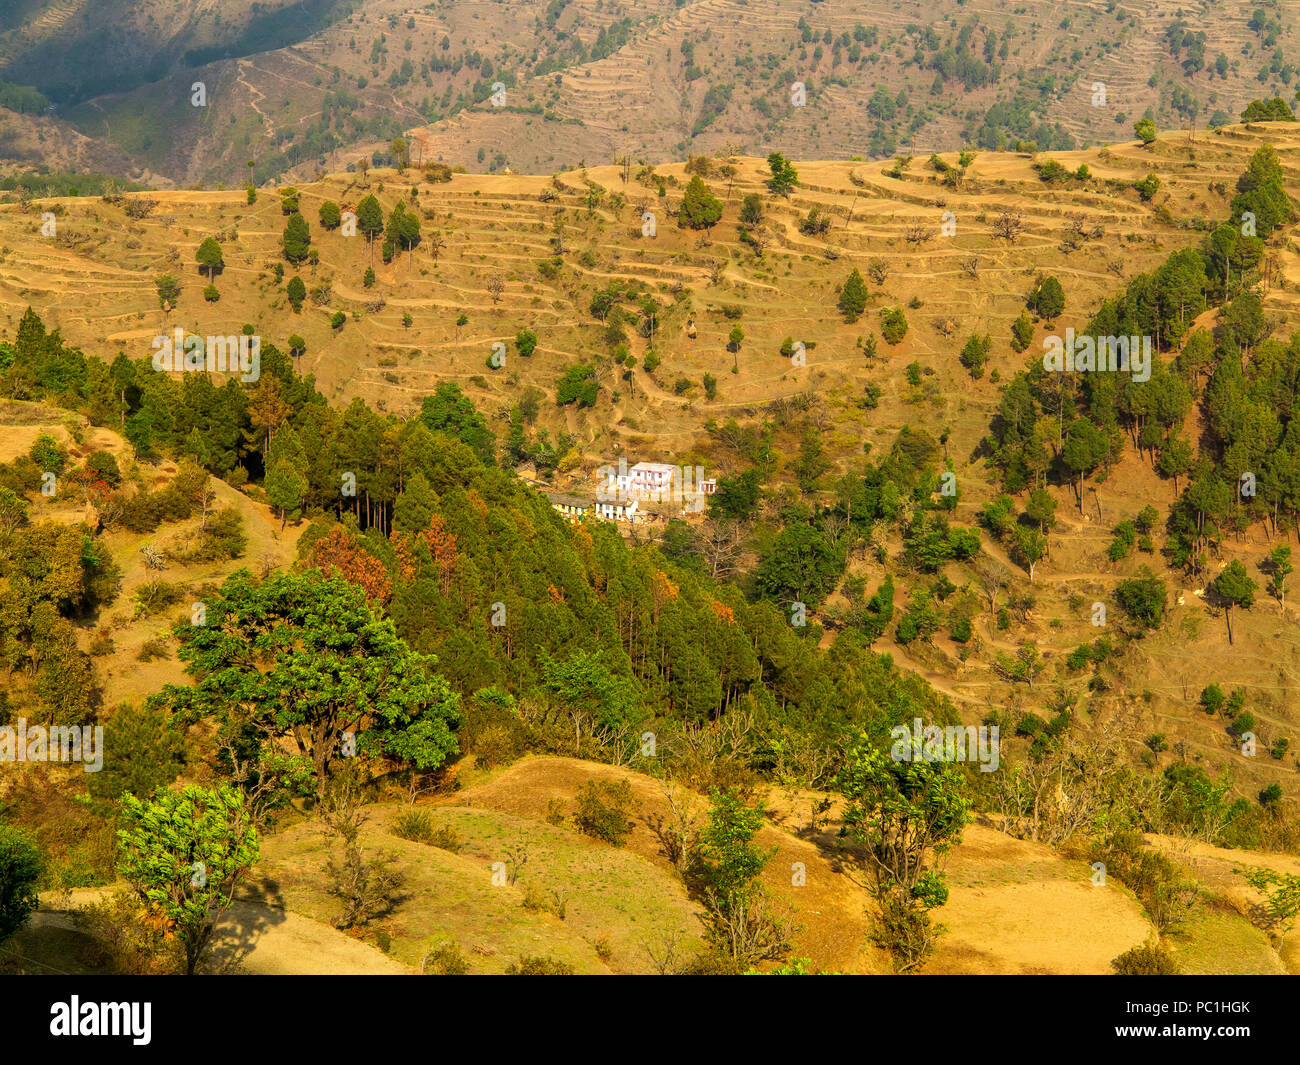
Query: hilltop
x=297 y=87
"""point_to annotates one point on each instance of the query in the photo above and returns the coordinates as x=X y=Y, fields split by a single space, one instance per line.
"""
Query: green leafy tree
x=586 y=682
x=370 y=220
x=185 y=853
x=784 y=176
x=1261 y=190
x=450 y=411
x=169 y=290
x=1022 y=332
x=975 y=353
x=739 y=921
x=1145 y=130
x=210 y=258
x=893 y=325
x=526 y=342
x=1028 y=546
x=905 y=814
x=403 y=231
x=577 y=385
x=801 y=566
x=286 y=488
x=143 y=750
x=1233 y=588
x=1279 y=568
x=700 y=208
x=331 y=217
x=301 y=659
x=20 y=872
x=1049 y=298
x=1142 y=598
x=1084 y=449
x=736 y=498
x=1281 y=893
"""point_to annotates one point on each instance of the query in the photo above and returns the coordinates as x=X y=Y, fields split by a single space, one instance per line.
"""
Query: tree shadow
x=258 y=907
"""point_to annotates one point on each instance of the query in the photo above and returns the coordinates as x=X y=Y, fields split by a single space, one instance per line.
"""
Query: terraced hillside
x=507 y=253
x=299 y=86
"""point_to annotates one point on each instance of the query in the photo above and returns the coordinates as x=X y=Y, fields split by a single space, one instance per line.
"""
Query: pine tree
x=853 y=296
x=297 y=239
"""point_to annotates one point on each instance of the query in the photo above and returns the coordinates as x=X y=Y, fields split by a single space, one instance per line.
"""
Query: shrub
x=604 y=810
x=415 y=825
x=544 y=900
x=1150 y=959
x=153 y=649
x=20 y=870
x=222 y=538
x=103 y=467
x=444 y=960
x=893 y=324
x=539 y=966
x=155 y=596
x=1152 y=876
x=124 y=939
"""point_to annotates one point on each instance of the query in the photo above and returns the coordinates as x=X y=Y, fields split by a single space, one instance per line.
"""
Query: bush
x=153 y=649
x=103 y=467
x=156 y=596
x=604 y=810
x=126 y=940
x=20 y=870
x=444 y=960
x=223 y=538
x=415 y=825
x=539 y=966
x=893 y=324
x=1150 y=959
x=418 y=827
x=1152 y=876
x=542 y=900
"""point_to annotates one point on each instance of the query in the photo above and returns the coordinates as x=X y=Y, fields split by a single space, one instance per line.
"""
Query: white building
x=653 y=480
x=616 y=511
